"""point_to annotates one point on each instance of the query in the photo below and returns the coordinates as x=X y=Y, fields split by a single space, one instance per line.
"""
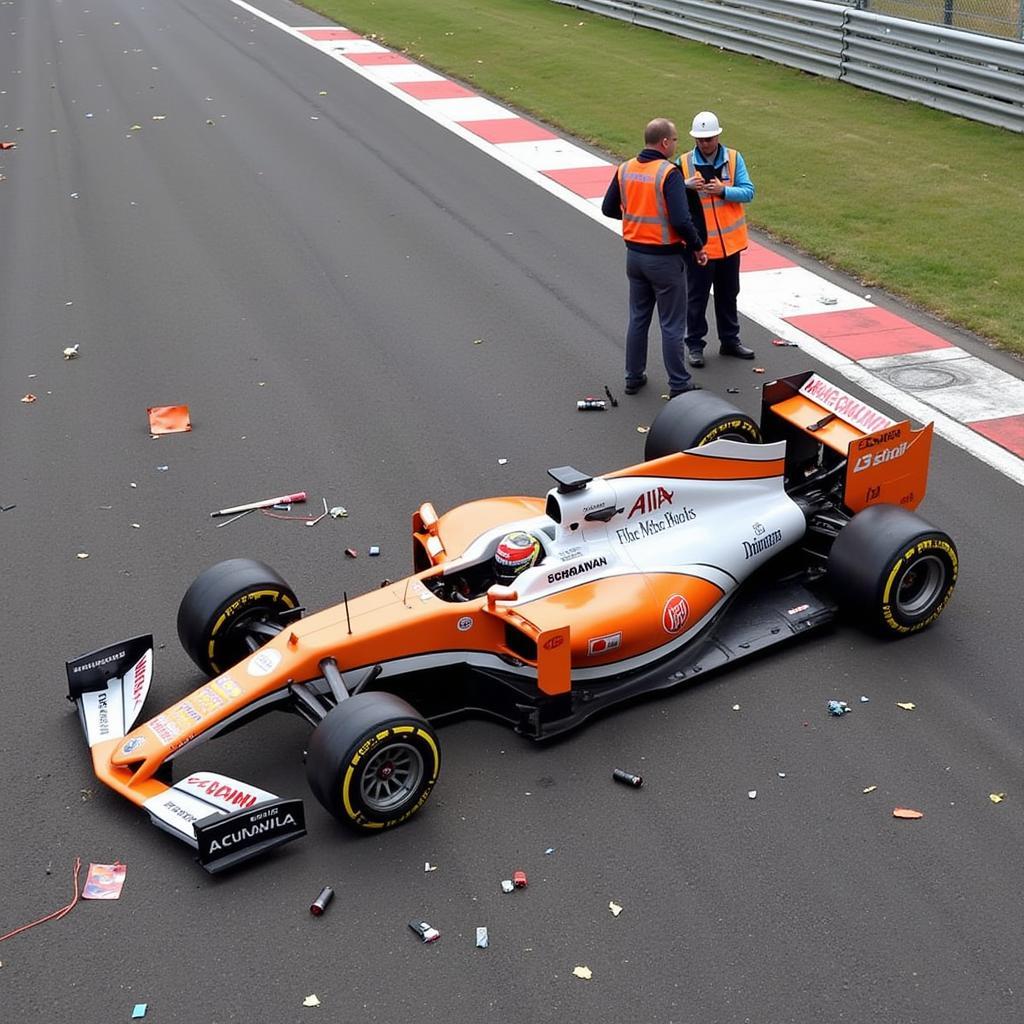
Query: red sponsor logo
x=676 y=612
x=555 y=641
x=603 y=644
x=139 y=681
x=651 y=501
x=217 y=790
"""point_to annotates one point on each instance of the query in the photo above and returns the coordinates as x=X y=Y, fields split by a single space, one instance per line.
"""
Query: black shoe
x=696 y=356
x=633 y=386
x=684 y=390
x=737 y=350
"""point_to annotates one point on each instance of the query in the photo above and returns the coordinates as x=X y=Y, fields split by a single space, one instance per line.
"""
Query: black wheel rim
x=392 y=775
x=921 y=586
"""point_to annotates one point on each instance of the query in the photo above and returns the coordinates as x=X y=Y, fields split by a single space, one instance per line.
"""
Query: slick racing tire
x=892 y=571
x=231 y=607
x=373 y=761
x=696 y=418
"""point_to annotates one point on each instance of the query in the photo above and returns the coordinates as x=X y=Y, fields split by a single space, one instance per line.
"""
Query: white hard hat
x=705 y=125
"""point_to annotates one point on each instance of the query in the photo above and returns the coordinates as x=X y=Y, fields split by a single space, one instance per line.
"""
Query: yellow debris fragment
x=583 y=972
x=906 y=705
x=997 y=798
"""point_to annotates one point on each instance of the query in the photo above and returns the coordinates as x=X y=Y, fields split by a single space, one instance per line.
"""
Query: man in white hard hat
x=719 y=176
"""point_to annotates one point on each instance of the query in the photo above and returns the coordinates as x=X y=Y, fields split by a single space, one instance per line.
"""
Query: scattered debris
x=591 y=403
x=30 y=398
x=425 y=931
x=104 y=881
x=780 y=343
x=869 y=789
x=611 y=397
x=838 y=707
x=351 y=552
x=643 y=430
x=281 y=499
x=7 y=508
x=550 y=850
x=906 y=812
x=319 y=905
x=732 y=391
x=997 y=798
x=615 y=909
x=57 y=914
x=234 y=519
x=339 y=512
x=751 y=794
x=759 y=369
x=583 y=972
x=828 y=300
x=507 y=886
x=478 y=341
x=83 y=554
x=427 y=866
x=735 y=707
x=865 y=700
x=502 y=462
x=169 y=419
x=8 y=145
x=906 y=705
x=313 y=522
x=519 y=879
x=139 y=1010
x=373 y=551
x=312 y=1000
x=627 y=778
x=482 y=941
x=71 y=352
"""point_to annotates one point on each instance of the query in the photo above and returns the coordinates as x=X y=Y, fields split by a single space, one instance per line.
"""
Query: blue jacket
x=739 y=191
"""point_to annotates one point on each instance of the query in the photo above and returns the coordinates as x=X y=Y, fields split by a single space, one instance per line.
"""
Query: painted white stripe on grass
x=470 y=108
x=796 y=291
x=552 y=155
x=980 y=447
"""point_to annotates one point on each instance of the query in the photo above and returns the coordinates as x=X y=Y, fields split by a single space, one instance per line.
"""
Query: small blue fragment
x=139 y=1010
x=838 y=707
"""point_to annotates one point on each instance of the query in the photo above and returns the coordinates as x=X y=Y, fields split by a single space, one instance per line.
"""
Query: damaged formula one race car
x=732 y=536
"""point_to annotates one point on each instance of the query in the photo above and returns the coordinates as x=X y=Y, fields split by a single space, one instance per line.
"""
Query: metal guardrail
x=975 y=76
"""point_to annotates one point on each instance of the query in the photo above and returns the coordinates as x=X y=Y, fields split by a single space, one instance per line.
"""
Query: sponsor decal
x=675 y=614
x=872 y=493
x=102 y=713
x=798 y=609
x=465 y=623
x=577 y=570
x=871 y=459
x=139 y=682
x=650 y=527
x=758 y=530
x=226 y=687
x=164 y=729
x=762 y=543
x=272 y=823
x=844 y=405
x=264 y=662
x=190 y=711
x=570 y=553
x=99 y=662
x=554 y=642
x=133 y=744
x=651 y=501
x=863 y=443
x=603 y=644
x=215 y=789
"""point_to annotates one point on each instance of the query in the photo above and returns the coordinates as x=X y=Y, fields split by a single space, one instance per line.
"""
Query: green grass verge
x=923 y=204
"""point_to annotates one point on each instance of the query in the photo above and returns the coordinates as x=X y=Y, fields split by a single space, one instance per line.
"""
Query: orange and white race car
x=730 y=537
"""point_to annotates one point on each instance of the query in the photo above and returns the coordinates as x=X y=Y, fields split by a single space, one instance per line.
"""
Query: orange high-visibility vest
x=726 y=221
x=644 y=211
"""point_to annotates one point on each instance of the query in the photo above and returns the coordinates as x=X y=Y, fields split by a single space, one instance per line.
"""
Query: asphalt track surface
x=309 y=273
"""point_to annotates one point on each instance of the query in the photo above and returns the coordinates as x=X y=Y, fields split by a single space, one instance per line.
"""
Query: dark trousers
x=656 y=280
x=724 y=274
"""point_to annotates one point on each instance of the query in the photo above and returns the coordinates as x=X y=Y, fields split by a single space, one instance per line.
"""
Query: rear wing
x=828 y=429
x=224 y=820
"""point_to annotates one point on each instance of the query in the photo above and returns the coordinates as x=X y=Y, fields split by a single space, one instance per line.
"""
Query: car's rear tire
x=373 y=761
x=892 y=571
x=228 y=605
x=696 y=418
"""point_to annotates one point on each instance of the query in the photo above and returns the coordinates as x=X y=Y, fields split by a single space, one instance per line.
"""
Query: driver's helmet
x=515 y=554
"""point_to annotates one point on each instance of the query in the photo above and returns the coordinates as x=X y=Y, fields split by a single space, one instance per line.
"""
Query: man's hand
x=714 y=187
x=700 y=258
x=696 y=182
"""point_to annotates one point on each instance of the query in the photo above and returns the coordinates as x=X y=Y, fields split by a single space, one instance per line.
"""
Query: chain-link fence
x=1003 y=18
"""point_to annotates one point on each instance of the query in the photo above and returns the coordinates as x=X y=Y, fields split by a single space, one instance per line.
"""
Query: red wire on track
x=57 y=913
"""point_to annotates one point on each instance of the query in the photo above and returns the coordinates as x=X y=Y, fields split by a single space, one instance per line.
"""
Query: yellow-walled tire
x=373 y=761
x=694 y=419
x=892 y=571
x=228 y=608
